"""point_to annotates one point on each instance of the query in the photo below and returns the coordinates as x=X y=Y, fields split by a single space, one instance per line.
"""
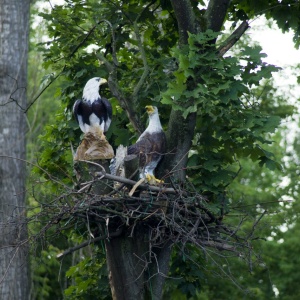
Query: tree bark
x=127 y=259
x=136 y=270
x=216 y=13
x=182 y=129
x=14 y=29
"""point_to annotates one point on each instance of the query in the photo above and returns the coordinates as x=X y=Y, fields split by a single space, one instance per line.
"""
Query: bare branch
x=118 y=93
x=255 y=224
x=141 y=186
x=86 y=243
x=232 y=39
x=43 y=90
x=219 y=246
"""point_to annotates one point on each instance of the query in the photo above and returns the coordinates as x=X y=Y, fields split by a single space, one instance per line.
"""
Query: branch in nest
x=132 y=182
x=219 y=246
x=86 y=243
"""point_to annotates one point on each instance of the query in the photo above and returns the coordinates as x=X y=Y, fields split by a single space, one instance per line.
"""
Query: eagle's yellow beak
x=102 y=81
x=150 y=109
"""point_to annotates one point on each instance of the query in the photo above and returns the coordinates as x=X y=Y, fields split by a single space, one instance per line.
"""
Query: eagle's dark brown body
x=151 y=145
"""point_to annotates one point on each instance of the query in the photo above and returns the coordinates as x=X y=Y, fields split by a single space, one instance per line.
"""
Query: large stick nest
x=171 y=214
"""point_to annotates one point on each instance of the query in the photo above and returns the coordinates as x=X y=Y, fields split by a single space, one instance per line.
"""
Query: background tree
x=14 y=275
x=170 y=54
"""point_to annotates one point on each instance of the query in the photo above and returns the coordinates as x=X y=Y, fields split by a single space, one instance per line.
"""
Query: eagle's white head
x=91 y=89
x=154 y=121
x=151 y=110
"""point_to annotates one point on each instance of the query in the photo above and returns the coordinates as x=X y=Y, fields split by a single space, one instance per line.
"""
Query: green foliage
x=89 y=279
x=230 y=126
x=44 y=279
x=186 y=274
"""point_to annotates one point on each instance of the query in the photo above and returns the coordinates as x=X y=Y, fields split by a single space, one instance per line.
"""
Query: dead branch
x=86 y=243
x=232 y=39
x=132 y=182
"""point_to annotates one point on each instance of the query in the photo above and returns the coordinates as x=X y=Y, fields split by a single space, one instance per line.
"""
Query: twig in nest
x=136 y=186
x=86 y=243
x=132 y=182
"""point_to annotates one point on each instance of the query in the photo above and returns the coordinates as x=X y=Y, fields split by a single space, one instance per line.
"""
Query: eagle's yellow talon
x=152 y=180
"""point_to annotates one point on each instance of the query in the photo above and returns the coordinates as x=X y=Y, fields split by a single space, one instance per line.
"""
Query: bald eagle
x=150 y=146
x=93 y=112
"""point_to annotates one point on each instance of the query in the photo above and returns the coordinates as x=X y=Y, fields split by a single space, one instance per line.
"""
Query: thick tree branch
x=232 y=39
x=132 y=182
x=185 y=19
x=216 y=13
x=182 y=129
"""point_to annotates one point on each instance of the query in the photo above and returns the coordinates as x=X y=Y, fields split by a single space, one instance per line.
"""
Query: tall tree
x=170 y=53
x=14 y=30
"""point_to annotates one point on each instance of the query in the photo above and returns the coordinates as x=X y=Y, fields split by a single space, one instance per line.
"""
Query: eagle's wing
x=149 y=149
x=75 y=109
x=141 y=149
x=82 y=111
x=108 y=107
x=103 y=110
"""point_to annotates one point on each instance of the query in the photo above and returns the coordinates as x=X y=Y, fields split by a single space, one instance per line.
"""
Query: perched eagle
x=150 y=146
x=93 y=112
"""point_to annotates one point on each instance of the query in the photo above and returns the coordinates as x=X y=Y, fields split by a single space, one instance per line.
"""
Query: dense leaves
x=229 y=126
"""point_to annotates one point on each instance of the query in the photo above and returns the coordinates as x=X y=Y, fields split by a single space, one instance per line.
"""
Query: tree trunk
x=14 y=29
x=127 y=259
x=179 y=127
x=137 y=271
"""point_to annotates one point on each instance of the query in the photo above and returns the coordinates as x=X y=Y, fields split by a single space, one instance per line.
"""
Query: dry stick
x=86 y=243
x=255 y=224
x=218 y=245
x=132 y=182
x=142 y=180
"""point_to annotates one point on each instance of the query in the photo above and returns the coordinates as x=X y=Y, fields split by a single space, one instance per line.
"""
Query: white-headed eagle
x=93 y=112
x=150 y=146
